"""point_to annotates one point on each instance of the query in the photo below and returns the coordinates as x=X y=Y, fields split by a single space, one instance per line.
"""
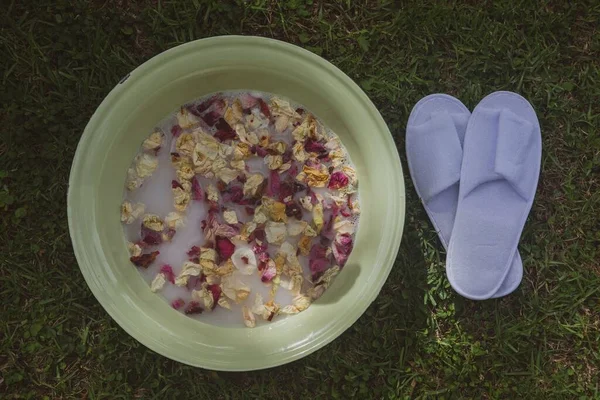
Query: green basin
x=129 y=113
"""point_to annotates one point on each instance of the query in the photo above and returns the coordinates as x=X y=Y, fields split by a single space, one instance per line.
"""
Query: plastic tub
x=155 y=89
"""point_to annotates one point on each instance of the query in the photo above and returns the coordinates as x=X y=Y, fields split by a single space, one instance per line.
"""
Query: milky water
x=157 y=196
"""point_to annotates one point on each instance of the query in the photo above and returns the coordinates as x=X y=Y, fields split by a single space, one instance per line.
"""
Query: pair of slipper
x=476 y=174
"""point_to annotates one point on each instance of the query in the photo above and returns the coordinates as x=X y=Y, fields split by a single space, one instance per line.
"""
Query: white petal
x=238 y=260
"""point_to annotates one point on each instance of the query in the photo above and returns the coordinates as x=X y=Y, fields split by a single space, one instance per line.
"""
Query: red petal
x=293 y=171
x=176 y=130
x=151 y=237
x=338 y=180
x=292 y=209
x=259 y=250
x=269 y=272
x=215 y=290
x=168 y=271
x=234 y=194
x=195 y=282
x=286 y=189
x=313 y=196
x=170 y=233
x=197 y=110
x=193 y=308
x=287 y=156
x=342 y=246
x=274 y=184
x=196 y=189
x=248 y=101
x=312 y=146
x=177 y=303
x=144 y=260
x=211 y=118
x=224 y=131
x=175 y=184
x=261 y=151
x=219 y=106
x=225 y=248
x=259 y=233
x=142 y=244
x=264 y=108
x=194 y=250
x=318 y=261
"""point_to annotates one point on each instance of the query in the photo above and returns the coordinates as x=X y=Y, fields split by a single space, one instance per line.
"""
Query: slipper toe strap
x=439 y=155
x=515 y=138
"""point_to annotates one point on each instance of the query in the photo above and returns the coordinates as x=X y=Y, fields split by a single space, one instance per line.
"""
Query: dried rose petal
x=213 y=207
x=224 y=131
x=249 y=210
x=269 y=272
x=211 y=118
x=327 y=233
x=151 y=237
x=318 y=260
x=176 y=130
x=215 y=290
x=342 y=246
x=220 y=106
x=175 y=184
x=194 y=251
x=345 y=212
x=260 y=249
x=212 y=228
x=264 y=108
x=293 y=171
x=168 y=235
x=167 y=270
x=263 y=257
x=260 y=151
x=193 y=308
x=313 y=196
x=259 y=233
x=335 y=210
x=312 y=146
x=262 y=265
x=248 y=101
x=286 y=156
x=338 y=180
x=223 y=125
x=274 y=184
x=313 y=163
x=144 y=260
x=325 y=241
x=196 y=189
x=293 y=209
x=142 y=244
x=197 y=110
x=235 y=194
x=286 y=189
x=221 y=186
x=177 y=303
x=225 y=248
x=194 y=282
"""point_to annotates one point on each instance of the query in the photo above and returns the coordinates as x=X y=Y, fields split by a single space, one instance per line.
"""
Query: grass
x=59 y=58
